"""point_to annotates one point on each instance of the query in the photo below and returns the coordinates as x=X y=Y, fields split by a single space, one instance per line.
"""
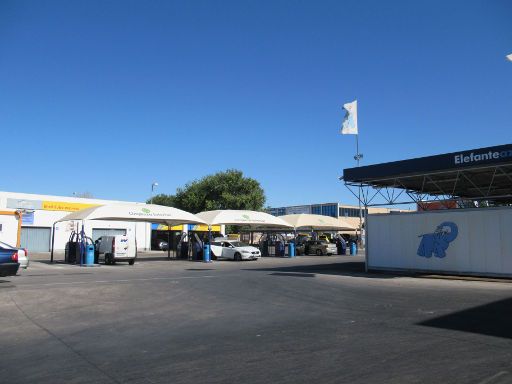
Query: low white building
x=40 y=212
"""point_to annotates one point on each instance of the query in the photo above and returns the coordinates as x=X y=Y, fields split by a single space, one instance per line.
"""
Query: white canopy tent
x=136 y=212
x=305 y=221
x=255 y=220
x=252 y=219
x=133 y=212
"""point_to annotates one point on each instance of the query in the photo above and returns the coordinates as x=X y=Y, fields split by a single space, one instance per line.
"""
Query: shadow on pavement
x=48 y=262
x=293 y=274
x=491 y=319
x=351 y=268
x=200 y=269
x=6 y=283
x=154 y=258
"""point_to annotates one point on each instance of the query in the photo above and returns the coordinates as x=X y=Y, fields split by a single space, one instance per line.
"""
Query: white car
x=233 y=250
x=22 y=254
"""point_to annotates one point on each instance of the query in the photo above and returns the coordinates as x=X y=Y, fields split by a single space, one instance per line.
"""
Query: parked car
x=22 y=254
x=320 y=248
x=9 y=264
x=233 y=250
x=300 y=249
x=116 y=248
x=325 y=237
x=163 y=245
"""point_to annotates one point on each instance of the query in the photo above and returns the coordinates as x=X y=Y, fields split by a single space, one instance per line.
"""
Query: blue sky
x=107 y=96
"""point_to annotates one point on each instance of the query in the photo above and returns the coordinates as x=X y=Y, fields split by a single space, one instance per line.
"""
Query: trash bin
x=206 y=252
x=89 y=254
x=291 y=249
x=353 y=248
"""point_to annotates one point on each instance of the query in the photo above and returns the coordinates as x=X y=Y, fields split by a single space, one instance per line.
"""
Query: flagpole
x=358 y=158
x=349 y=126
x=357 y=149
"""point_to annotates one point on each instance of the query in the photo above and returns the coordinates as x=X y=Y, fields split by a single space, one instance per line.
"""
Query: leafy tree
x=162 y=199
x=223 y=190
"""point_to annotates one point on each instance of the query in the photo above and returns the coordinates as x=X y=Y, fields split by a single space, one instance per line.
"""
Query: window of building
x=350 y=212
x=329 y=210
x=277 y=211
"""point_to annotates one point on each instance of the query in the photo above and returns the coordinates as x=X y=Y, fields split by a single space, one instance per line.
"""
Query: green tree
x=223 y=190
x=162 y=199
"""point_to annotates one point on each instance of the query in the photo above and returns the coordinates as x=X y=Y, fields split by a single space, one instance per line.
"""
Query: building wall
x=482 y=246
x=48 y=209
x=9 y=230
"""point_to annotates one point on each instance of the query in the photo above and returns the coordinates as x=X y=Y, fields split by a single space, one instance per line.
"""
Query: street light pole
x=153 y=185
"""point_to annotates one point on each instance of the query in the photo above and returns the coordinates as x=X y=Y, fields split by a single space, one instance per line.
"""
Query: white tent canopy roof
x=253 y=219
x=136 y=212
x=317 y=222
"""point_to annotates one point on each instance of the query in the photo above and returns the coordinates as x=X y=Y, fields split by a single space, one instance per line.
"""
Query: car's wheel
x=131 y=262
x=107 y=259
x=238 y=257
x=319 y=252
x=212 y=256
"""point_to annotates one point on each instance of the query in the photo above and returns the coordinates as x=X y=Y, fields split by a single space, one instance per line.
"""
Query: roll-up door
x=36 y=239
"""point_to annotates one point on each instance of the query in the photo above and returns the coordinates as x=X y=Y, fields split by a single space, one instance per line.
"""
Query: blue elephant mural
x=437 y=243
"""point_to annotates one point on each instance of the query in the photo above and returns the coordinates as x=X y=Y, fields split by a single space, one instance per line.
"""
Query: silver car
x=22 y=254
x=320 y=248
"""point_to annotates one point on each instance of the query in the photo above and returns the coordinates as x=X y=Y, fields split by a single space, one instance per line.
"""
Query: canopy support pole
x=53 y=242
x=208 y=249
x=366 y=241
x=169 y=241
x=82 y=244
x=136 y=239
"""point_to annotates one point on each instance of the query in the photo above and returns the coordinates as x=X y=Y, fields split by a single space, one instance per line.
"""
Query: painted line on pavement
x=119 y=280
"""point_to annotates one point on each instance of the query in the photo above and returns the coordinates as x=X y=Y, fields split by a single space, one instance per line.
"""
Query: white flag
x=349 y=126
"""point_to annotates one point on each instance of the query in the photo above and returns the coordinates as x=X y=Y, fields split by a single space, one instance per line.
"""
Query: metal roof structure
x=483 y=174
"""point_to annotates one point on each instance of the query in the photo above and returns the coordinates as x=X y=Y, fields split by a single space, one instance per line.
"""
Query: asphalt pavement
x=275 y=320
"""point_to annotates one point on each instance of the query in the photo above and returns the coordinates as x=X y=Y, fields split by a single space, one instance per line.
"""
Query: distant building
x=436 y=205
x=349 y=213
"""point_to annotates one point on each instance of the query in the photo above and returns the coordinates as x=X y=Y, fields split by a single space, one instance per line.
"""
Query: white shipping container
x=460 y=241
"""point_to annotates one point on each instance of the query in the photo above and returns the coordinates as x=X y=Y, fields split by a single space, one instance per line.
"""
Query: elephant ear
x=450 y=230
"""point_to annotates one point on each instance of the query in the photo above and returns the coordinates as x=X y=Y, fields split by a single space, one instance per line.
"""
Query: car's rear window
x=5 y=245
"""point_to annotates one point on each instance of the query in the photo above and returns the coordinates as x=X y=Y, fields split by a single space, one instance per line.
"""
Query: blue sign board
x=27 y=218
